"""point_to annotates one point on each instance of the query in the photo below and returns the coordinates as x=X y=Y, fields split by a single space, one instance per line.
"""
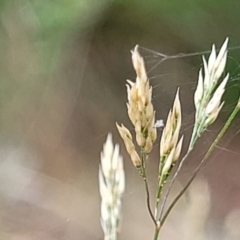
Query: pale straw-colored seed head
x=165 y=143
x=177 y=107
x=138 y=64
x=127 y=139
x=148 y=144
x=141 y=140
x=135 y=158
x=178 y=150
x=172 y=128
x=111 y=187
x=112 y=162
x=207 y=97
x=140 y=108
x=153 y=134
x=170 y=147
x=172 y=157
x=168 y=162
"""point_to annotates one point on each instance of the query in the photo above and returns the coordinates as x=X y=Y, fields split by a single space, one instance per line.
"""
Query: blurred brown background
x=63 y=67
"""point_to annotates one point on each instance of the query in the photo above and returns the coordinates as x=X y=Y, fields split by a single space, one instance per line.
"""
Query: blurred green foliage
x=36 y=34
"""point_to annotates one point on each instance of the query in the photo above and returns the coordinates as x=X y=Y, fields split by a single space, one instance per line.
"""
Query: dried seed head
x=148 y=145
x=168 y=162
x=153 y=134
x=135 y=158
x=141 y=141
x=171 y=131
x=111 y=186
x=178 y=150
x=107 y=154
x=127 y=139
x=140 y=108
x=124 y=132
x=177 y=106
x=165 y=143
x=138 y=64
x=111 y=161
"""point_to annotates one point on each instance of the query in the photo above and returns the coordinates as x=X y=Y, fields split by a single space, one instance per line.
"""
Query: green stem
x=194 y=135
x=210 y=150
x=157 y=230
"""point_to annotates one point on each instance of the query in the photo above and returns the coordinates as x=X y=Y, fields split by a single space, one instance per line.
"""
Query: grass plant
x=208 y=104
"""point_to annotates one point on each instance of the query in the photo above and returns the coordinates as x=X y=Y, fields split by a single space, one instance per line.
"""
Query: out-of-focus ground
x=63 y=66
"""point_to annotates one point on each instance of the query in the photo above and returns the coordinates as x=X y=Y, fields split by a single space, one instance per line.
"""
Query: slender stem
x=157 y=230
x=144 y=177
x=210 y=150
x=148 y=201
x=194 y=134
x=159 y=190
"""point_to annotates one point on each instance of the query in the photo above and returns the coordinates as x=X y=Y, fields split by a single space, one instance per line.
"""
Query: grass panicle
x=208 y=104
x=140 y=112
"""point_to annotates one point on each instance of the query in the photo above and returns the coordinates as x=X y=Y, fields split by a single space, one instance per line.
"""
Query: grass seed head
x=111 y=187
x=178 y=150
x=168 y=162
x=127 y=139
x=138 y=64
x=140 y=108
x=207 y=97
x=172 y=128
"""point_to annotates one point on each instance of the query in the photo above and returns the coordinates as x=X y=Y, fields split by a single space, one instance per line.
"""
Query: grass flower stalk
x=207 y=155
x=142 y=116
x=208 y=104
x=170 y=147
x=207 y=100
